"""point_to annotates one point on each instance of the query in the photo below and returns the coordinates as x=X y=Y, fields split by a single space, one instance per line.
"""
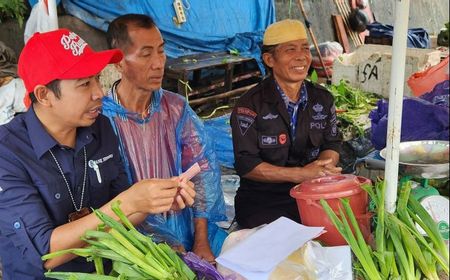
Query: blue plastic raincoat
x=164 y=144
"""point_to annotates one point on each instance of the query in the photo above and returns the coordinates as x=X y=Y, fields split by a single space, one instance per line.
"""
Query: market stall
x=394 y=227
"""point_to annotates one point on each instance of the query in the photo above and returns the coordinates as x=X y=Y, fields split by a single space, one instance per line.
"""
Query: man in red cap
x=61 y=158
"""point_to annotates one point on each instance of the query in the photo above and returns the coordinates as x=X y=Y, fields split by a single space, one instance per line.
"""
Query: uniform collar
x=270 y=88
x=42 y=141
x=302 y=100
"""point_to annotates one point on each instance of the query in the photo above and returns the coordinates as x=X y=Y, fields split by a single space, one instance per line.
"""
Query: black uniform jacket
x=261 y=133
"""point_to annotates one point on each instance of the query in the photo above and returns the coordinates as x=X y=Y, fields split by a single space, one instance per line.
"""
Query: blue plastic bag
x=417 y=37
x=421 y=120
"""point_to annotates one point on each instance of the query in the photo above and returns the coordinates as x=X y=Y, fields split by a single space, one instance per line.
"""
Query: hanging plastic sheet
x=163 y=145
x=219 y=130
x=210 y=25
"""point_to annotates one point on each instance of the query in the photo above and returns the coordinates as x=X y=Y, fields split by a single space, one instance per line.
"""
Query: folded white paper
x=256 y=256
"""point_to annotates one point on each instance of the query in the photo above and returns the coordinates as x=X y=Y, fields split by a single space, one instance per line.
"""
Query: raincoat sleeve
x=196 y=146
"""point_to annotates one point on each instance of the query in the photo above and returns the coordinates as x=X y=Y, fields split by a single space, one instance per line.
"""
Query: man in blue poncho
x=161 y=136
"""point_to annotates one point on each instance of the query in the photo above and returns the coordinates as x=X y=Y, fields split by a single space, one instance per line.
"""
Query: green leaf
x=234 y=51
x=14 y=9
x=314 y=77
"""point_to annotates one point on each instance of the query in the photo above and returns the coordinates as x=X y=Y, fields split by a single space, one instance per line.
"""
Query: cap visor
x=92 y=64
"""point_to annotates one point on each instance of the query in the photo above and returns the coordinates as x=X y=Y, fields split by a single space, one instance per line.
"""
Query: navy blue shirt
x=34 y=198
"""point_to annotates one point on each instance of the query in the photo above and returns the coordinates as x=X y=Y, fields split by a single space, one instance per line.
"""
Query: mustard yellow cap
x=284 y=31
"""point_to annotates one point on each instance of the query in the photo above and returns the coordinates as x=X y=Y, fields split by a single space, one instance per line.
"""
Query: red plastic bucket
x=332 y=188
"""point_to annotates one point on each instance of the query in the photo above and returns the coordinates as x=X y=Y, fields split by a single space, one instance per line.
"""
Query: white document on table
x=257 y=255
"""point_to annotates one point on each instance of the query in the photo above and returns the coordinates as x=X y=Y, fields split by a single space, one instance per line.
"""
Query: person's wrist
x=297 y=174
x=127 y=206
x=201 y=241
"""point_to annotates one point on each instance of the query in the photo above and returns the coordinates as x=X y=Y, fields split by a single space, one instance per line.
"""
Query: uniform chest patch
x=283 y=138
x=318 y=115
x=270 y=116
x=268 y=140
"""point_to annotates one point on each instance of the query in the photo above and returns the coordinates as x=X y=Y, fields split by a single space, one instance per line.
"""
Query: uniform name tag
x=317 y=125
x=269 y=140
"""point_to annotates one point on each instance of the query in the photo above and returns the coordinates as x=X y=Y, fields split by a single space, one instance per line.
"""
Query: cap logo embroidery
x=74 y=43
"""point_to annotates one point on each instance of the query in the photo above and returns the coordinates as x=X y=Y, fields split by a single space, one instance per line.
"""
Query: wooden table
x=190 y=69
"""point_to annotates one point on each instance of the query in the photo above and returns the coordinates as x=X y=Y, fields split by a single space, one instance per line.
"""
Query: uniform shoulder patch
x=246 y=111
x=245 y=117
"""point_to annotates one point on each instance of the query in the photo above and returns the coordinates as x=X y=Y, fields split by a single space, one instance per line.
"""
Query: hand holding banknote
x=186 y=192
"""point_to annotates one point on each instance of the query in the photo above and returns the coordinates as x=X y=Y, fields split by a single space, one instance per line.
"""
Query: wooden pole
x=230 y=93
x=313 y=38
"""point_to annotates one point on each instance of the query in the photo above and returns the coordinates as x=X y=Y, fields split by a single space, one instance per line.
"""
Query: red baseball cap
x=60 y=54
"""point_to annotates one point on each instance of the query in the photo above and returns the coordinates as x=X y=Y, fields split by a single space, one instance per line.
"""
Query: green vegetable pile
x=401 y=252
x=133 y=255
x=353 y=107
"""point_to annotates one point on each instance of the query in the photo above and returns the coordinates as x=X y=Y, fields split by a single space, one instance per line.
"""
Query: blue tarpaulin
x=211 y=25
x=417 y=37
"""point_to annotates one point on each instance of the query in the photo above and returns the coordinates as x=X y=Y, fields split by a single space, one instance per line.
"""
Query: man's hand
x=203 y=250
x=151 y=196
x=201 y=244
x=331 y=169
x=185 y=195
x=315 y=169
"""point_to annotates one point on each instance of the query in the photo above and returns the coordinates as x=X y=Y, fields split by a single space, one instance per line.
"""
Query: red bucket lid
x=329 y=187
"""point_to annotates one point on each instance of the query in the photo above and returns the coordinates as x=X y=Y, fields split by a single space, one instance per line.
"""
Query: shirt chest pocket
x=101 y=173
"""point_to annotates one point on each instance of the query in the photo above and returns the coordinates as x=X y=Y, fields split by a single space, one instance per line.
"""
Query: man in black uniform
x=284 y=130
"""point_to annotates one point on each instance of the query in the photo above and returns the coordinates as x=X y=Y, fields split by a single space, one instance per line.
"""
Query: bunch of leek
x=401 y=252
x=133 y=255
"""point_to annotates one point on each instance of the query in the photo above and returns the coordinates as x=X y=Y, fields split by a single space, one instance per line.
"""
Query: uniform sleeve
x=24 y=219
x=332 y=135
x=245 y=139
x=196 y=146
